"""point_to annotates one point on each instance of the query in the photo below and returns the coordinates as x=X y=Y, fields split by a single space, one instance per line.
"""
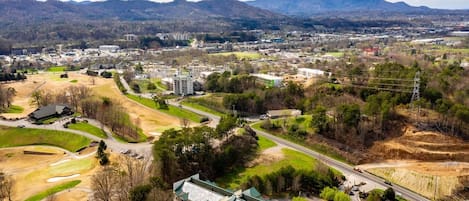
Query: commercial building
x=195 y=189
x=275 y=114
x=268 y=80
x=109 y=48
x=310 y=73
x=183 y=84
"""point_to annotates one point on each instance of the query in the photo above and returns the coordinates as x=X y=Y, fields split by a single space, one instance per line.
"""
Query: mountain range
x=313 y=7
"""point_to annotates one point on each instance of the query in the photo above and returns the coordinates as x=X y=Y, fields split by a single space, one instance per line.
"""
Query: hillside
x=311 y=7
x=134 y=10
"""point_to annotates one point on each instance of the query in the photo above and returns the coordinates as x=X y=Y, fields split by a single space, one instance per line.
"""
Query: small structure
x=50 y=111
x=195 y=189
x=269 y=80
x=275 y=114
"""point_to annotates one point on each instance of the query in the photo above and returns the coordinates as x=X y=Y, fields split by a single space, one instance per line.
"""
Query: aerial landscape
x=224 y=100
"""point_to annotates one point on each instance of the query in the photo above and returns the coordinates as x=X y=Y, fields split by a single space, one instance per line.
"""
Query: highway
x=372 y=181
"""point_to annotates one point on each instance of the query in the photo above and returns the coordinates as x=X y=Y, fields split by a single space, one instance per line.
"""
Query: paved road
x=115 y=146
x=371 y=180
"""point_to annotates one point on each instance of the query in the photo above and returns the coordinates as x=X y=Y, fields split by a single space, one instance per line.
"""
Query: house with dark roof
x=51 y=111
x=195 y=189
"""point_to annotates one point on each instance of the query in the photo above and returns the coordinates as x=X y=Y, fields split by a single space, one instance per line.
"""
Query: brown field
x=151 y=121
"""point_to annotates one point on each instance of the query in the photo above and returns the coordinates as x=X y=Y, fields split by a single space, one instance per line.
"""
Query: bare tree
x=6 y=187
x=185 y=123
x=104 y=184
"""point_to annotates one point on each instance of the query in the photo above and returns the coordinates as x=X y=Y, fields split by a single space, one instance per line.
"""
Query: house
x=50 y=111
x=195 y=189
x=310 y=73
x=274 y=114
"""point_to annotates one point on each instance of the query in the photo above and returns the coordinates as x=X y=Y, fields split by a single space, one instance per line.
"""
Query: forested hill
x=33 y=11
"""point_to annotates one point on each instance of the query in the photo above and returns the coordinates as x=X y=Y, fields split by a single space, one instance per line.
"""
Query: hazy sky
x=446 y=4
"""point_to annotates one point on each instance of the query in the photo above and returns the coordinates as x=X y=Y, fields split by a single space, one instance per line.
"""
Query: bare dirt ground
x=427 y=162
x=268 y=156
x=30 y=172
x=151 y=121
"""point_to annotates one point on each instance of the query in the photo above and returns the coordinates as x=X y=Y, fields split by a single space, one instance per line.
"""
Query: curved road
x=115 y=146
x=373 y=181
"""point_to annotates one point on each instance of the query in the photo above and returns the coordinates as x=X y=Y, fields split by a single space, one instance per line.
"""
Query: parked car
x=358 y=170
x=21 y=126
x=125 y=151
x=140 y=157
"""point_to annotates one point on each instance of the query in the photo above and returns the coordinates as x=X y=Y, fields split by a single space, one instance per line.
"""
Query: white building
x=310 y=73
x=109 y=48
x=183 y=84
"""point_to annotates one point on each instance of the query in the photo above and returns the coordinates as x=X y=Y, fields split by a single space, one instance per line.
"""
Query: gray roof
x=48 y=111
x=194 y=189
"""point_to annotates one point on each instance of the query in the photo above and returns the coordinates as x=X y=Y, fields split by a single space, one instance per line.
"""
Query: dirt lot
x=152 y=122
x=31 y=172
x=427 y=162
x=428 y=178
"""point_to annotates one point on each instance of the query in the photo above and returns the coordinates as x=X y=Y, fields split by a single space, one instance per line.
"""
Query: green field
x=144 y=86
x=241 y=55
x=291 y=158
x=85 y=127
x=159 y=84
x=54 y=190
x=57 y=69
x=74 y=81
x=14 y=109
x=194 y=105
x=336 y=54
x=316 y=147
x=265 y=143
x=12 y=137
x=172 y=110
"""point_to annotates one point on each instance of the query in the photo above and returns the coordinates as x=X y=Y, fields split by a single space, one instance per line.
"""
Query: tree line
x=82 y=100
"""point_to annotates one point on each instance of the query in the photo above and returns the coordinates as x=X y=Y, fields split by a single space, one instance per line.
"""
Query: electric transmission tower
x=416 y=94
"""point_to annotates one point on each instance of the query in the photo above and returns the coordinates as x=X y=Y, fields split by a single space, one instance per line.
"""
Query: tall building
x=183 y=84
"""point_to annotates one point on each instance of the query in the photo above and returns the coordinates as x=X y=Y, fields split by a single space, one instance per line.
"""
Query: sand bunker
x=56 y=179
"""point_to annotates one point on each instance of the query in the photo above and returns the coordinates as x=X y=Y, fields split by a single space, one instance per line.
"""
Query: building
x=269 y=80
x=275 y=114
x=130 y=37
x=109 y=48
x=195 y=189
x=183 y=84
x=310 y=73
x=50 y=111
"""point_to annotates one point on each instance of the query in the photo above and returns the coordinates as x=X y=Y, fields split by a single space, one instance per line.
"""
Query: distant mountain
x=312 y=7
x=129 y=10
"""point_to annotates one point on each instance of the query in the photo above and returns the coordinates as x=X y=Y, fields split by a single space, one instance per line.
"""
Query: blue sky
x=445 y=4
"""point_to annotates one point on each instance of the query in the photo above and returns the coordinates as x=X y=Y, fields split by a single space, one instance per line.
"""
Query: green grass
x=194 y=105
x=57 y=69
x=159 y=84
x=73 y=81
x=12 y=137
x=241 y=55
x=265 y=143
x=144 y=86
x=315 y=147
x=291 y=158
x=54 y=190
x=381 y=192
x=172 y=110
x=15 y=109
x=85 y=127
